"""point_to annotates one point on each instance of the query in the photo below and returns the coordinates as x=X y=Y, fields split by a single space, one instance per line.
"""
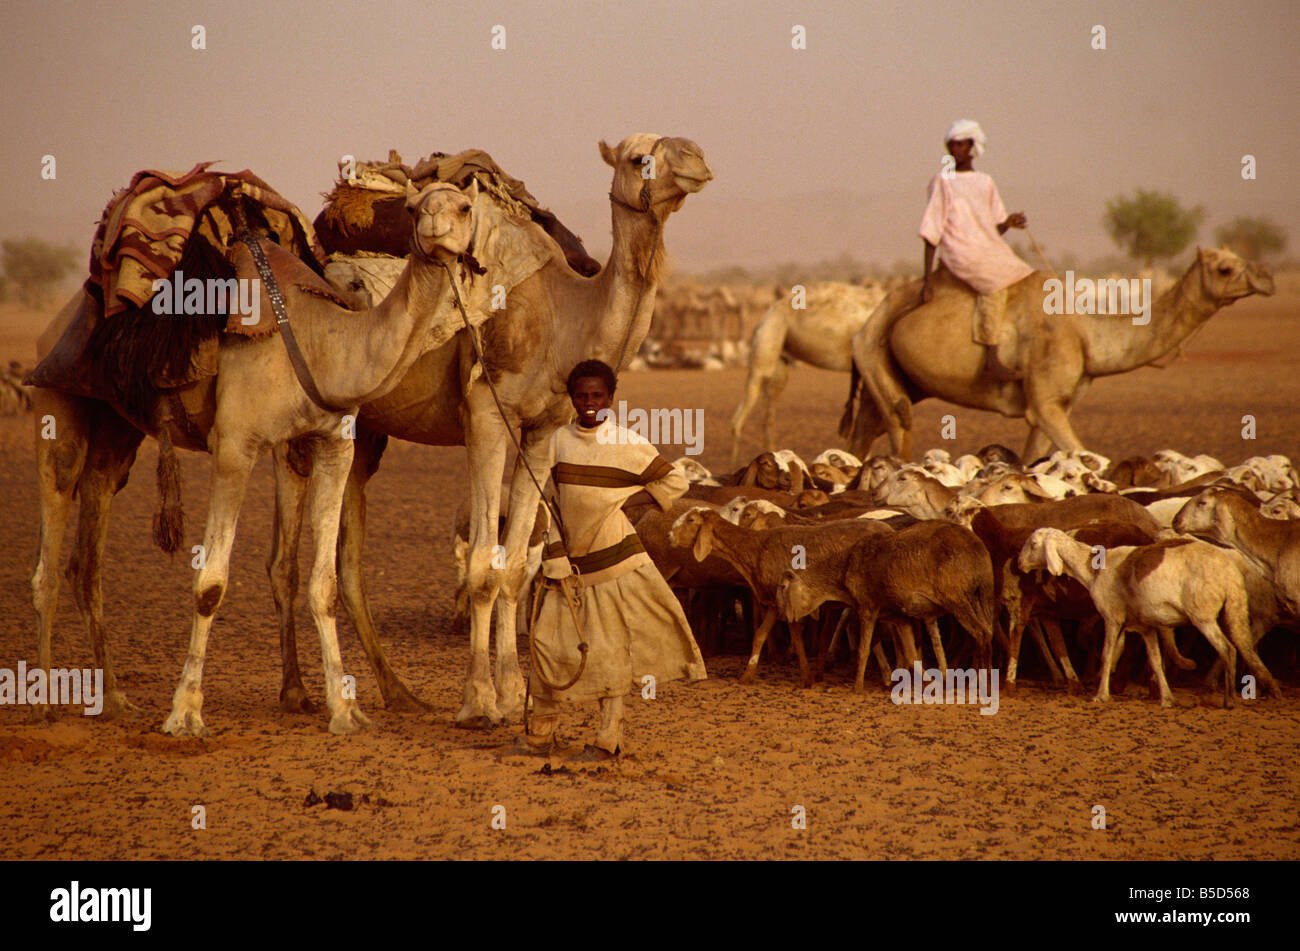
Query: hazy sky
x=816 y=152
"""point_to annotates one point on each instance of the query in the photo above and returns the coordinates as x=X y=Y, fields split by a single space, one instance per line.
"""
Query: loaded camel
x=552 y=320
x=256 y=402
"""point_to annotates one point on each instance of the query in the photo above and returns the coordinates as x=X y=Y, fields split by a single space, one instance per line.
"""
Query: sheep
x=1227 y=517
x=926 y=571
x=694 y=471
x=1179 y=468
x=1004 y=528
x=922 y=495
x=761 y=558
x=707 y=580
x=1283 y=506
x=1135 y=471
x=768 y=471
x=1151 y=589
x=840 y=459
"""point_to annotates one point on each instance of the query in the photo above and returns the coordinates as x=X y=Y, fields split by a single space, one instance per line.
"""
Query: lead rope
x=566 y=585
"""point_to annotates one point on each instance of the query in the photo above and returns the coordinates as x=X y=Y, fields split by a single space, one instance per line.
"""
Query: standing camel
x=552 y=320
x=906 y=352
x=820 y=333
x=256 y=402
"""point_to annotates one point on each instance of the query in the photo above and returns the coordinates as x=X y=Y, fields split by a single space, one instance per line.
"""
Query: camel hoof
x=295 y=700
x=187 y=723
x=1101 y=699
x=349 y=720
x=749 y=676
x=116 y=705
x=42 y=713
x=1009 y=688
x=1073 y=688
x=403 y=701
x=483 y=722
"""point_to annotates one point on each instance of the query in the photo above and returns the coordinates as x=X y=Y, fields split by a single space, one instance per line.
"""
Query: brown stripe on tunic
x=605 y=477
x=658 y=468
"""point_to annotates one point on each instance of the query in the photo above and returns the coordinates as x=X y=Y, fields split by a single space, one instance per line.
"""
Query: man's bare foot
x=593 y=754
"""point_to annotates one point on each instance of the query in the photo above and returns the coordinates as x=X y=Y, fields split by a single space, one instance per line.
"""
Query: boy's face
x=963 y=150
x=589 y=397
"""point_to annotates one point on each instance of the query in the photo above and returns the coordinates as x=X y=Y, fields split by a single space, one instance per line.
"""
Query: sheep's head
x=962 y=510
x=878 y=470
x=693 y=530
x=1011 y=488
x=811 y=497
x=760 y=514
x=766 y=473
x=1209 y=514
x=1043 y=550
x=1283 y=506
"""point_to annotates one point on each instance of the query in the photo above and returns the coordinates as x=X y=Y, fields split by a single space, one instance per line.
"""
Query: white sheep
x=1152 y=589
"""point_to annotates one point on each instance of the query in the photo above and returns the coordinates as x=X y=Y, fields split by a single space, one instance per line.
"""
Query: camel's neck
x=1117 y=345
x=612 y=314
x=359 y=357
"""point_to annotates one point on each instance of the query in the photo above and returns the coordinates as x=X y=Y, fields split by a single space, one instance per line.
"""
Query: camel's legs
x=486 y=443
x=282 y=568
x=369 y=446
x=111 y=453
x=1037 y=445
x=773 y=387
x=59 y=464
x=332 y=457
x=231 y=464
x=524 y=497
x=764 y=364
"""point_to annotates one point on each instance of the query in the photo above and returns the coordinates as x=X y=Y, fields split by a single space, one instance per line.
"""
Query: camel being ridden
x=907 y=352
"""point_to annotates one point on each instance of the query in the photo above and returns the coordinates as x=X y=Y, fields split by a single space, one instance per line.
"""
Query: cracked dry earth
x=714 y=769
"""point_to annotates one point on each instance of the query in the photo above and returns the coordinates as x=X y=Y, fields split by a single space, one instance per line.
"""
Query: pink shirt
x=961 y=220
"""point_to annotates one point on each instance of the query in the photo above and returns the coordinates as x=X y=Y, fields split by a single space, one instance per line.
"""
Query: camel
x=552 y=320
x=820 y=333
x=908 y=352
x=255 y=402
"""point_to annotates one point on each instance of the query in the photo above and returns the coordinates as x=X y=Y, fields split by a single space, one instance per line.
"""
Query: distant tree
x=33 y=267
x=1151 y=225
x=1252 y=238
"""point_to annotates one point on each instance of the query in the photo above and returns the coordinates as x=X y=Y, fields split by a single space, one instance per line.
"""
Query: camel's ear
x=751 y=474
x=472 y=191
x=412 y=196
x=703 y=541
x=1054 y=563
x=608 y=155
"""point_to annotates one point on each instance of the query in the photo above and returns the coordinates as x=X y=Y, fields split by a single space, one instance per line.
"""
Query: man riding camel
x=965 y=220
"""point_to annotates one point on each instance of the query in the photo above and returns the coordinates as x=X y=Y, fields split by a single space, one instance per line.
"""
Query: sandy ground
x=715 y=769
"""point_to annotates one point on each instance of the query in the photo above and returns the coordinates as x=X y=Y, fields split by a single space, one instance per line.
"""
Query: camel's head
x=1225 y=277
x=656 y=172
x=443 y=218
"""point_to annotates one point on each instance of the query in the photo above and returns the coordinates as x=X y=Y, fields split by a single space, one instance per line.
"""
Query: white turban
x=967 y=129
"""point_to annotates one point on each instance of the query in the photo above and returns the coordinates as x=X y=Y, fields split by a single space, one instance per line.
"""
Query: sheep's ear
x=796 y=478
x=1054 y=563
x=751 y=474
x=1037 y=490
x=703 y=541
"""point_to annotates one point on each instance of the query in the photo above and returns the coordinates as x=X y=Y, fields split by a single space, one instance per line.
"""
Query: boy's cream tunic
x=632 y=621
